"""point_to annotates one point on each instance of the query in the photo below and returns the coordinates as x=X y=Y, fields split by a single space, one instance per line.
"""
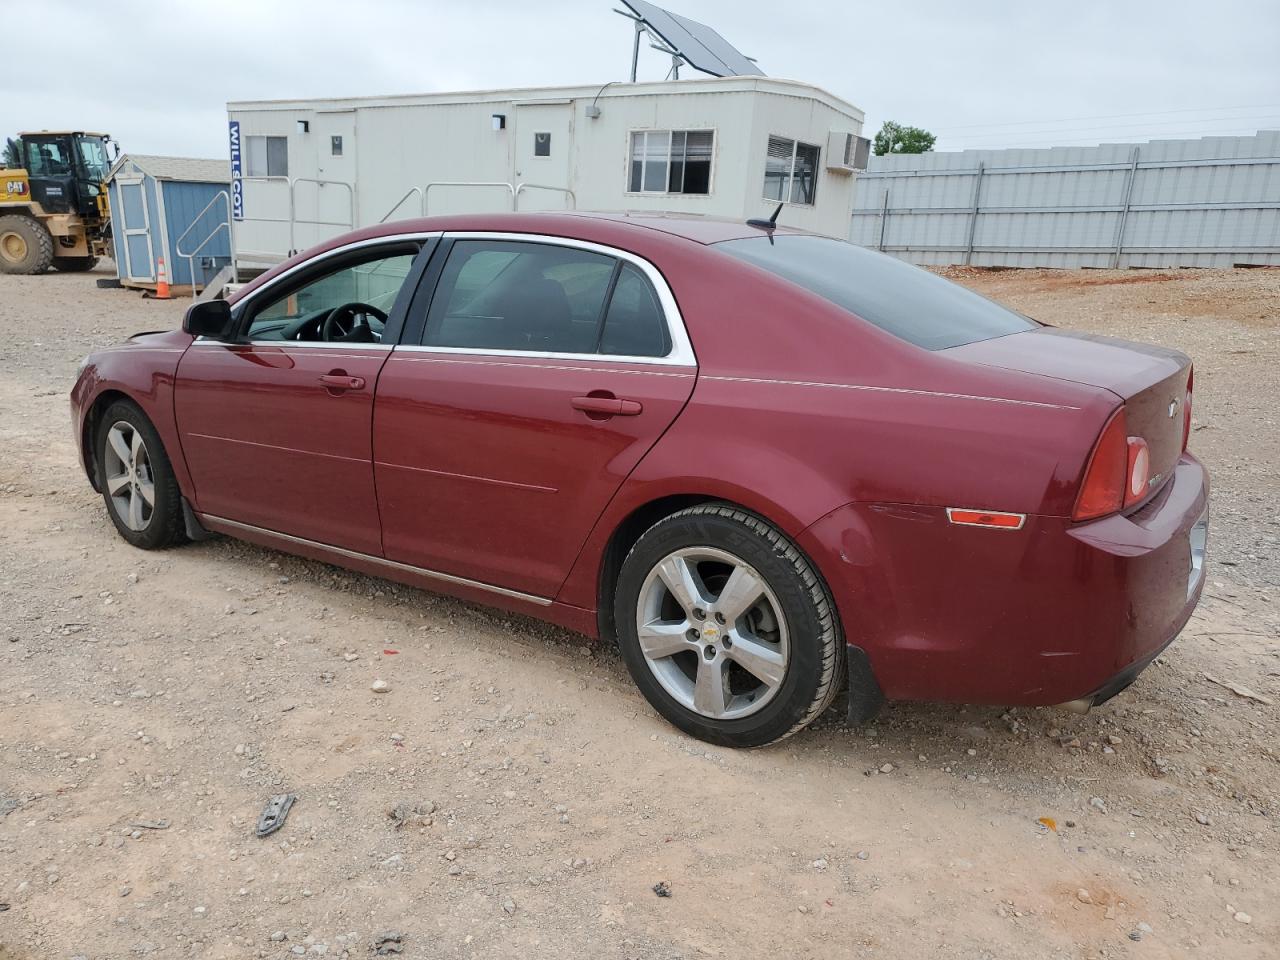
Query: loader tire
x=25 y=245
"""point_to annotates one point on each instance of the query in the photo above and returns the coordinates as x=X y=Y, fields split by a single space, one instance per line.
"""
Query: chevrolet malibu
x=772 y=465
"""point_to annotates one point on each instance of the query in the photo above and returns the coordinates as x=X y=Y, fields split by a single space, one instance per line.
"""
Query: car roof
x=623 y=229
x=704 y=230
x=691 y=227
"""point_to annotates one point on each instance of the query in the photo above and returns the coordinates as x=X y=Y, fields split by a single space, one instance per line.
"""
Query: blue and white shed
x=178 y=208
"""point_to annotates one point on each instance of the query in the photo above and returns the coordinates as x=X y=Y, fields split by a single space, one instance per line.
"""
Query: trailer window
x=266 y=156
x=908 y=302
x=791 y=171
x=671 y=161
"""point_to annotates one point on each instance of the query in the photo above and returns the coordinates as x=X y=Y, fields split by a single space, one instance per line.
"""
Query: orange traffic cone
x=162 y=280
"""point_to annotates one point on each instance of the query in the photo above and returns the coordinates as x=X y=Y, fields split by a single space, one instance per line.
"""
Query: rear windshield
x=913 y=304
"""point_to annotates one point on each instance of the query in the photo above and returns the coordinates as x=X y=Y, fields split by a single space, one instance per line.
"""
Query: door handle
x=340 y=381
x=607 y=406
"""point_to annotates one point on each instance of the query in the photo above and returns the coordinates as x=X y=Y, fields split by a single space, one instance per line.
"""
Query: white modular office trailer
x=303 y=171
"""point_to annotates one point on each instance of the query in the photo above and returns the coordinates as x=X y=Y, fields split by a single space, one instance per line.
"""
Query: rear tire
x=740 y=642
x=137 y=480
x=26 y=246
x=74 y=264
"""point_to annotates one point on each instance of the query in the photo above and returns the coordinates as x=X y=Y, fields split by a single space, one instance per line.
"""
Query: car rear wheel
x=137 y=480
x=726 y=627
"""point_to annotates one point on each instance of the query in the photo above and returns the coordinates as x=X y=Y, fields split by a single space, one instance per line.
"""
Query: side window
x=500 y=295
x=366 y=288
x=48 y=158
x=634 y=325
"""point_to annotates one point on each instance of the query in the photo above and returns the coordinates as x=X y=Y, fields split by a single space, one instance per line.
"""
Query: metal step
x=217 y=287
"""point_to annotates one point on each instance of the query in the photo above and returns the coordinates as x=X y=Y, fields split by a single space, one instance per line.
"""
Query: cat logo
x=17 y=187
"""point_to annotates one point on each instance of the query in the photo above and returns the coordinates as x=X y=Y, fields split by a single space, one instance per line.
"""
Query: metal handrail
x=292 y=218
x=223 y=225
x=288 y=183
x=412 y=191
x=515 y=197
x=349 y=223
x=191 y=257
x=466 y=183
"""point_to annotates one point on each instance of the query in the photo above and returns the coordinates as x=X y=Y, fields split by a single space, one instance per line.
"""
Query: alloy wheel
x=130 y=483
x=712 y=633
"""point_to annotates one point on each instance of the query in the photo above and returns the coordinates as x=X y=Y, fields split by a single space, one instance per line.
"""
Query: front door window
x=348 y=305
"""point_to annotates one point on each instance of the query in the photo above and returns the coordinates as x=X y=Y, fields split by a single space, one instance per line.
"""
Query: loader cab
x=66 y=170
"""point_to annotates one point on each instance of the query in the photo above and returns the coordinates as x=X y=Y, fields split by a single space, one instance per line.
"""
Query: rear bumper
x=1051 y=613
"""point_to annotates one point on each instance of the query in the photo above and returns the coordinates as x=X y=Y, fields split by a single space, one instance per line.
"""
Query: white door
x=544 y=141
x=332 y=202
x=136 y=256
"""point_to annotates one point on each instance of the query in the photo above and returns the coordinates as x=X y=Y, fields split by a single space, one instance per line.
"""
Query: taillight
x=1118 y=474
x=1138 y=475
x=1103 y=489
x=1186 y=411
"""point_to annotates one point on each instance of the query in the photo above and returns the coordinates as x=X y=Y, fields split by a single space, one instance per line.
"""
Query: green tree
x=12 y=154
x=895 y=138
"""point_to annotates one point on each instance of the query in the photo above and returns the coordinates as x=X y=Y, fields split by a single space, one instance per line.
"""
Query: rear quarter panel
x=800 y=408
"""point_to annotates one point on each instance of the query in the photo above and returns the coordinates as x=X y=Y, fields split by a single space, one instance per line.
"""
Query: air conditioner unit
x=847 y=152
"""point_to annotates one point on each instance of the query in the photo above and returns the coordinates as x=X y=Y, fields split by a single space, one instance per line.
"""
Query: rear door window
x=542 y=297
x=907 y=301
x=634 y=325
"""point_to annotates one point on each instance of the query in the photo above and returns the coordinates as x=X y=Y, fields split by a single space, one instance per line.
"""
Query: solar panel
x=698 y=44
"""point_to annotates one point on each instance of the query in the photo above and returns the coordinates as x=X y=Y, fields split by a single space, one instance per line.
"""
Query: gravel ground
x=513 y=796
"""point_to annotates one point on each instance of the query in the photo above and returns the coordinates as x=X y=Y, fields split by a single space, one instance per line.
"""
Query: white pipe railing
x=466 y=183
x=224 y=196
x=292 y=219
x=400 y=202
x=515 y=199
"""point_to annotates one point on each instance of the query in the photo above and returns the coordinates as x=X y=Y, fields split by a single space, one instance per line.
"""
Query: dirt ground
x=513 y=795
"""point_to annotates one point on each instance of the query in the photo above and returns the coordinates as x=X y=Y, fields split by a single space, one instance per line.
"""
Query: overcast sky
x=157 y=74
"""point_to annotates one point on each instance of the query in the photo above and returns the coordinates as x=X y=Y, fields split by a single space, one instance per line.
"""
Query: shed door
x=137 y=261
x=544 y=134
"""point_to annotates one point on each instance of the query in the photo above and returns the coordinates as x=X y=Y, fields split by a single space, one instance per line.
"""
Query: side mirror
x=210 y=318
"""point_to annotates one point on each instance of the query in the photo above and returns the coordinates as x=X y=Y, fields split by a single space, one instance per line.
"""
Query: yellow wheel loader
x=53 y=206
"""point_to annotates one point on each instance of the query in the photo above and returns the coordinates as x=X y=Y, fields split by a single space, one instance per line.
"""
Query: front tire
x=137 y=479
x=726 y=627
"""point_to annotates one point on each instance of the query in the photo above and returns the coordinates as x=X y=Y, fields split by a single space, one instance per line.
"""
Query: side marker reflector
x=986 y=518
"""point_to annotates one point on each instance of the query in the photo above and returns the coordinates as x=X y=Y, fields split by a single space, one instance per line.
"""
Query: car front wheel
x=136 y=479
x=727 y=628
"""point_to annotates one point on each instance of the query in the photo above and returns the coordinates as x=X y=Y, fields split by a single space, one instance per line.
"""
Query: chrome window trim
x=668 y=361
x=681 y=353
x=495 y=358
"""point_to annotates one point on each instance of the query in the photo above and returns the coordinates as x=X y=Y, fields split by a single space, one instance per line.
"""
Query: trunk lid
x=1151 y=380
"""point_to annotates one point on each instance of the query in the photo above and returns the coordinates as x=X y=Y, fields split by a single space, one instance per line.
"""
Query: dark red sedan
x=767 y=462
